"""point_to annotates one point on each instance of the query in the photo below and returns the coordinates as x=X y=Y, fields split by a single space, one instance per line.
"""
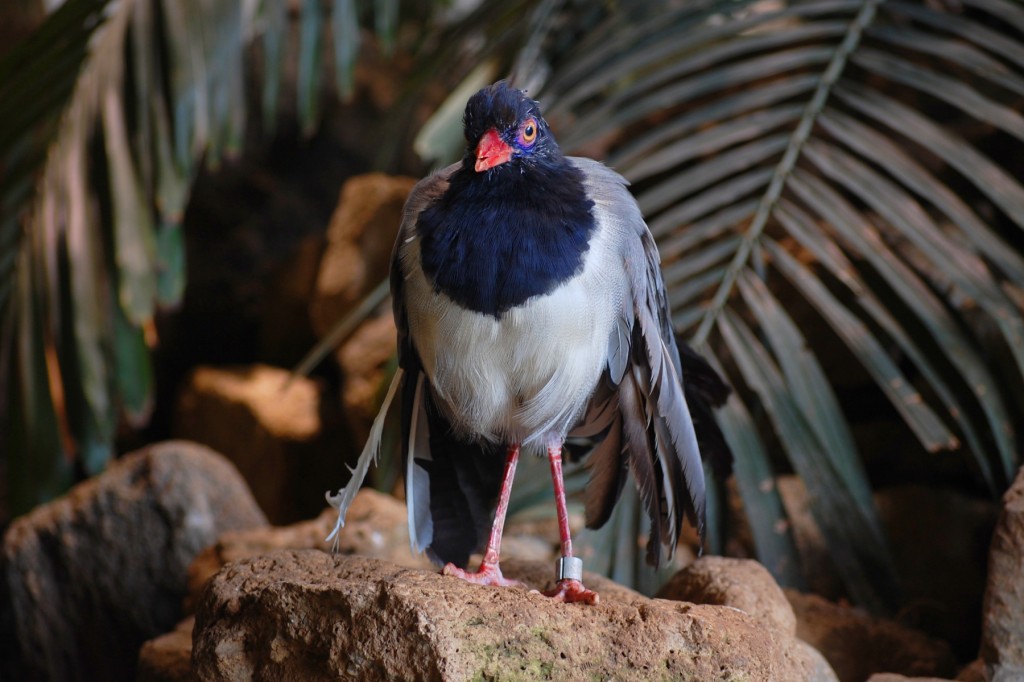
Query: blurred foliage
x=108 y=110
x=831 y=183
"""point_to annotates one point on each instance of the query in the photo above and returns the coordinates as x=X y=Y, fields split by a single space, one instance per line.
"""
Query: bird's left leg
x=489 y=573
x=570 y=569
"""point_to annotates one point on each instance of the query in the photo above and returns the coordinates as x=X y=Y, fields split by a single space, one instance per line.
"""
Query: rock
x=364 y=360
x=893 y=677
x=87 y=578
x=360 y=238
x=310 y=615
x=279 y=429
x=1002 y=638
x=943 y=603
x=978 y=671
x=973 y=672
x=821 y=671
x=819 y=569
x=743 y=584
x=858 y=645
x=168 y=658
x=1006 y=673
x=931 y=527
x=376 y=526
x=285 y=330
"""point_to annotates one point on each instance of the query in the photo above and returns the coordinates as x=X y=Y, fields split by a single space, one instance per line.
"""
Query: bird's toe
x=487 y=574
x=572 y=591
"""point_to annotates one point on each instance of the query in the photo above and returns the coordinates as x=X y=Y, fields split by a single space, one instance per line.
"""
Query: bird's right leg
x=489 y=573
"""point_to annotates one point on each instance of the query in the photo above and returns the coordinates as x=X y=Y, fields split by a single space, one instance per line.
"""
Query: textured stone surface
x=168 y=658
x=820 y=572
x=821 y=670
x=894 y=677
x=364 y=359
x=858 y=645
x=973 y=672
x=88 y=578
x=359 y=242
x=1002 y=640
x=280 y=430
x=939 y=539
x=928 y=528
x=740 y=583
x=310 y=615
x=375 y=526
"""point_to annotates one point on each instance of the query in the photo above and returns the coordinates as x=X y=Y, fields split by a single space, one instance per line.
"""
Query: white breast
x=527 y=376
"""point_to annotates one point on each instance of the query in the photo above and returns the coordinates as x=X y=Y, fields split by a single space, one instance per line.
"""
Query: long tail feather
x=607 y=476
x=343 y=498
x=704 y=389
x=639 y=452
x=417 y=479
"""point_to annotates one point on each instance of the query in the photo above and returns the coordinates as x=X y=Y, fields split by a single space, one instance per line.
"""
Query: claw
x=571 y=591
x=487 y=574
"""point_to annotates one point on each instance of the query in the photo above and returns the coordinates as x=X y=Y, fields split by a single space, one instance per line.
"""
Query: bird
x=530 y=309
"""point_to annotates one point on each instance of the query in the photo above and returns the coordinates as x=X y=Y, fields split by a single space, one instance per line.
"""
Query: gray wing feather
x=415 y=424
x=666 y=459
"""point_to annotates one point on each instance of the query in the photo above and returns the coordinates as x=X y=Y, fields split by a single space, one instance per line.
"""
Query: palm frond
x=856 y=155
x=108 y=111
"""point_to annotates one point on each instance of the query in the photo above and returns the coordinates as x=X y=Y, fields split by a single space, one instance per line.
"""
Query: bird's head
x=502 y=124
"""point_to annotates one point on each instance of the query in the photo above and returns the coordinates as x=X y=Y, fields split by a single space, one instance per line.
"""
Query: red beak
x=491 y=151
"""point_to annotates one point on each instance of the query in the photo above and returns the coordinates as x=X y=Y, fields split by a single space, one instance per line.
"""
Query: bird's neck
x=496 y=239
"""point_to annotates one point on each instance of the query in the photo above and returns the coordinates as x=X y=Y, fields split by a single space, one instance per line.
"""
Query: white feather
x=343 y=498
x=417 y=482
x=526 y=376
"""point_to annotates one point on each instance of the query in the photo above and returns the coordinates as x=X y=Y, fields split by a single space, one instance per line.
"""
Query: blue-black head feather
x=496 y=238
x=505 y=109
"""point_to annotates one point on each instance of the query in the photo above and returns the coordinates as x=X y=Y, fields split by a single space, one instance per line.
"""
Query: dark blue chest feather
x=492 y=242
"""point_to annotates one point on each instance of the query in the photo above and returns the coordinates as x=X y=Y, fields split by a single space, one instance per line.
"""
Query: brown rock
x=285 y=330
x=89 y=577
x=364 y=359
x=375 y=526
x=279 y=429
x=893 y=677
x=819 y=569
x=168 y=658
x=931 y=528
x=743 y=584
x=821 y=671
x=858 y=645
x=943 y=603
x=973 y=672
x=310 y=615
x=1002 y=640
x=359 y=242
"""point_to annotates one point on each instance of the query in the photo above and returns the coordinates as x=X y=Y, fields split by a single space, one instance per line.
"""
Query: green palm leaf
x=107 y=112
x=826 y=150
x=851 y=158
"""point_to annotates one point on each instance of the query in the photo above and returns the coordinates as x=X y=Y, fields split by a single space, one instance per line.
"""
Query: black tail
x=464 y=482
x=705 y=390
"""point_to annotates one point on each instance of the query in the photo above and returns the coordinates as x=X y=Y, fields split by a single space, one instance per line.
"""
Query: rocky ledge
x=304 y=614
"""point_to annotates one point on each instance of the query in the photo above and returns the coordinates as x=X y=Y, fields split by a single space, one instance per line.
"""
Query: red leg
x=489 y=573
x=569 y=587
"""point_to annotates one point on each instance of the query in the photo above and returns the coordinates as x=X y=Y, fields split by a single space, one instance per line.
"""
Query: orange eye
x=528 y=132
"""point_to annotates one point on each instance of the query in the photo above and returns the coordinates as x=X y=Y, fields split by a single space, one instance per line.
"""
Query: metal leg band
x=570 y=568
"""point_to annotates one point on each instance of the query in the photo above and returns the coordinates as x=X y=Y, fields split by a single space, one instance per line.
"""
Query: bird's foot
x=570 y=590
x=487 y=574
